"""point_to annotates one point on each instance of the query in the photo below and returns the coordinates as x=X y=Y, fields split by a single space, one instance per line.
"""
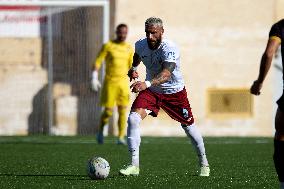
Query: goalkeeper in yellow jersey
x=118 y=56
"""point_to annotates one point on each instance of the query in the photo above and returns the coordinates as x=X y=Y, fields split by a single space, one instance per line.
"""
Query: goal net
x=47 y=48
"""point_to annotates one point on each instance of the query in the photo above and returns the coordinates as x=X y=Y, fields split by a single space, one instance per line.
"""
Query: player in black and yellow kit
x=276 y=37
x=118 y=56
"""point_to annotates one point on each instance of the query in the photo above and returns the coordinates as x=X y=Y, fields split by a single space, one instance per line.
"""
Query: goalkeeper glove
x=95 y=82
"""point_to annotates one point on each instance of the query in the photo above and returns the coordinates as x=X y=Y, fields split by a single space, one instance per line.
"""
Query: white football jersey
x=152 y=59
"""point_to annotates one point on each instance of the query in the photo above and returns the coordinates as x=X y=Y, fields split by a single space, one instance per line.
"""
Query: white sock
x=197 y=141
x=133 y=137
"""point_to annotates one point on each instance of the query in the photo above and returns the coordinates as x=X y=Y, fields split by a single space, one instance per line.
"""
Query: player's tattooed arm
x=162 y=77
x=165 y=74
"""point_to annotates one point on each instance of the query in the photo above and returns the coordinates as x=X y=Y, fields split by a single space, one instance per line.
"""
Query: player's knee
x=279 y=134
x=122 y=110
x=107 y=113
x=185 y=126
x=133 y=118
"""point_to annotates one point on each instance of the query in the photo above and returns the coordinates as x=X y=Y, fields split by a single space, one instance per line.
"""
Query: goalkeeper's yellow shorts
x=115 y=94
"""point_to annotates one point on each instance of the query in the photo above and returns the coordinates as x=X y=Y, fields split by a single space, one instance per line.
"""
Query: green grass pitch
x=167 y=162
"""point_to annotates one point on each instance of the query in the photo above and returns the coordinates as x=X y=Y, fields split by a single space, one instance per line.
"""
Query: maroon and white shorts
x=176 y=105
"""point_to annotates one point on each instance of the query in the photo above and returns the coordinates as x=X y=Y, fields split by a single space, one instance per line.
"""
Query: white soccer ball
x=98 y=168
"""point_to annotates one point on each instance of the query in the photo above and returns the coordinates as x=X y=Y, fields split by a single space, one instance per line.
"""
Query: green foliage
x=60 y=162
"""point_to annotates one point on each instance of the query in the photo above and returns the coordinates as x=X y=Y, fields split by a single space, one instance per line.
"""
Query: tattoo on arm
x=165 y=74
x=170 y=66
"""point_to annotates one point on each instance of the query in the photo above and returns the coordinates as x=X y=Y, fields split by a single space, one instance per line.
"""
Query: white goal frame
x=66 y=3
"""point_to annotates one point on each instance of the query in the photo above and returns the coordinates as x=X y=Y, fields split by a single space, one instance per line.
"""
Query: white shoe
x=204 y=171
x=130 y=170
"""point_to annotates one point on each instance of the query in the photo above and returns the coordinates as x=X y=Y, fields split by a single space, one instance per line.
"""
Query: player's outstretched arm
x=265 y=63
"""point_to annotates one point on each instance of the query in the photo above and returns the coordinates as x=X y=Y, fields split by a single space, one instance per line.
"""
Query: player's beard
x=154 y=44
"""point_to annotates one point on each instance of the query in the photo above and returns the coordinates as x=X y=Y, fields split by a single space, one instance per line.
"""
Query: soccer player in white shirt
x=163 y=88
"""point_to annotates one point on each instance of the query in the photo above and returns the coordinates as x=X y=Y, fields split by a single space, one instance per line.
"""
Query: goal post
x=68 y=34
x=67 y=3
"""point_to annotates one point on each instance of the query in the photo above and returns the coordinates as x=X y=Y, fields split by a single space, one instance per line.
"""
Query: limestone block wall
x=65 y=110
x=24 y=92
x=221 y=43
x=21 y=77
x=279 y=9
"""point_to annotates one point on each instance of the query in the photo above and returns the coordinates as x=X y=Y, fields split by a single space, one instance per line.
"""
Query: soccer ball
x=98 y=168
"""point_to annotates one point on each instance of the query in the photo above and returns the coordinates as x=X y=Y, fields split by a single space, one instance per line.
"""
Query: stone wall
x=221 y=43
x=24 y=89
x=21 y=77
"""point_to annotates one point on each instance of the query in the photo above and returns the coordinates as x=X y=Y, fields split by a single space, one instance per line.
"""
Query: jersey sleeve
x=275 y=32
x=170 y=54
x=101 y=56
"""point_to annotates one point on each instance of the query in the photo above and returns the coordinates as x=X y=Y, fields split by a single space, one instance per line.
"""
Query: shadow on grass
x=66 y=176
x=38 y=175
